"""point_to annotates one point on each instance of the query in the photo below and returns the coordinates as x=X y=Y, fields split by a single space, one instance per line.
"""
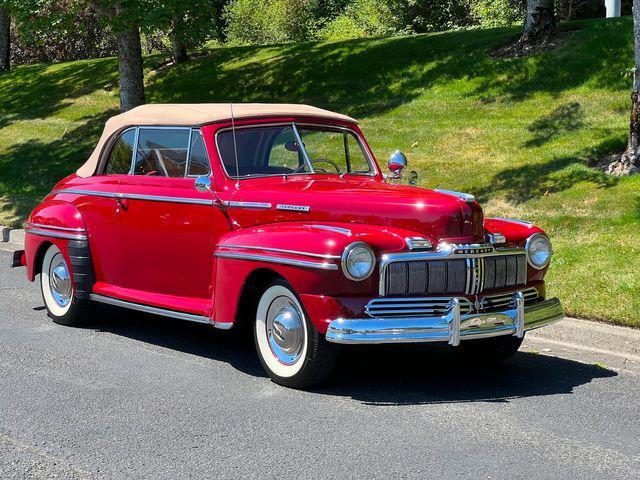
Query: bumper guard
x=452 y=327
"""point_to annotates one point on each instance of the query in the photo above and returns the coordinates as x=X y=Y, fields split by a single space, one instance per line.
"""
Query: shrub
x=268 y=21
x=498 y=13
x=363 y=18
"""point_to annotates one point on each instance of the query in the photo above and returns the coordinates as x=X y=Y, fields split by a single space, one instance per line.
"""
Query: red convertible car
x=278 y=217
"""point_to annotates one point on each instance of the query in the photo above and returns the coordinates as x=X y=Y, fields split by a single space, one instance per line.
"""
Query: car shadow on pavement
x=429 y=373
x=375 y=375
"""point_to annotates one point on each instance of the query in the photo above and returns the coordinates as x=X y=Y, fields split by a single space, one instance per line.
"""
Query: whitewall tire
x=58 y=291
x=290 y=349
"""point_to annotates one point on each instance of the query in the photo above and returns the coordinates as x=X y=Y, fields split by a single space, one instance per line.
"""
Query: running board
x=189 y=317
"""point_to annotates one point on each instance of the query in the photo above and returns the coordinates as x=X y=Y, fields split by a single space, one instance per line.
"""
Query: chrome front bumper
x=452 y=327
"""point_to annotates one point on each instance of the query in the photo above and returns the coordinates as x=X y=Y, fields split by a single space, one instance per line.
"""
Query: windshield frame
x=363 y=146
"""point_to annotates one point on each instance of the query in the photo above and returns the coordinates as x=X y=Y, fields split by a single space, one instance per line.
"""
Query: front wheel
x=290 y=349
x=58 y=292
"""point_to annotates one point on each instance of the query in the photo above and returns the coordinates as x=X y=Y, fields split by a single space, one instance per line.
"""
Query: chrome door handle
x=122 y=202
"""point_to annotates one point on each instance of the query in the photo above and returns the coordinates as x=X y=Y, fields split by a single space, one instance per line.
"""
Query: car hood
x=440 y=216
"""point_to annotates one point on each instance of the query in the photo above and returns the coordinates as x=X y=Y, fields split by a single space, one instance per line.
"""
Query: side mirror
x=203 y=184
x=397 y=163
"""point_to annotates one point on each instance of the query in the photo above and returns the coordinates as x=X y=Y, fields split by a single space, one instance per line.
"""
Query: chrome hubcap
x=60 y=281
x=285 y=330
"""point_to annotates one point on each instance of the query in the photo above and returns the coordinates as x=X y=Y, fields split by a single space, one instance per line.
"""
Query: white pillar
x=613 y=8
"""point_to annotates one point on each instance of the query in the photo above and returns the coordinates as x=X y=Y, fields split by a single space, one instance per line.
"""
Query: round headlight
x=539 y=250
x=358 y=261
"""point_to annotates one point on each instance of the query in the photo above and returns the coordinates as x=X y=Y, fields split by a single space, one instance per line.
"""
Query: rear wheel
x=56 y=284
x=490 y=351
x=290 y=349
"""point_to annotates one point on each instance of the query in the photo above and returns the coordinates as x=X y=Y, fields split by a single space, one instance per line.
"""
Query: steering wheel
x=320 y=160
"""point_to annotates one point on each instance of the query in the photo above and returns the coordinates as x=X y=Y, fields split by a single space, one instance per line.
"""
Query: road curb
x=608 y=340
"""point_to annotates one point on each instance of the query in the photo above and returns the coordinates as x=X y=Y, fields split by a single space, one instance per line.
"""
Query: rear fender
x=59 y=223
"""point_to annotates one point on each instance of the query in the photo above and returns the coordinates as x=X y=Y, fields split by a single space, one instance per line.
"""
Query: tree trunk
x=177 y=41
x=5 y=39
x=540 y=21
x=130 y=67
x=629 y=162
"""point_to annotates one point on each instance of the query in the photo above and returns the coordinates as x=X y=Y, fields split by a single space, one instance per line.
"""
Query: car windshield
x=276 y=150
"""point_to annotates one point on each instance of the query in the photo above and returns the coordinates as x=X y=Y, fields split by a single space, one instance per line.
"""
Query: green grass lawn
x=516 y=133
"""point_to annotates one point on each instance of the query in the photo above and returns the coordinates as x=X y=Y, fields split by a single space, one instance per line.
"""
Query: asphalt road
x=135 y=396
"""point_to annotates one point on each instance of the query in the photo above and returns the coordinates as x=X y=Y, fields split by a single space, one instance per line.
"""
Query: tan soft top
x=192 y=114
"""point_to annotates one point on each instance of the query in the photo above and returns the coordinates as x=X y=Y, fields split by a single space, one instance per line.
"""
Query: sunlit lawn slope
x=516 y=133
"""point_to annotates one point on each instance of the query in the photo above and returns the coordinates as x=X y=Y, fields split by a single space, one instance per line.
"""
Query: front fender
x=516 y=233
x=307 y=255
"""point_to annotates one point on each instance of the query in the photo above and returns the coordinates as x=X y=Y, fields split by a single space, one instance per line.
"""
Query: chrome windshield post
x=305 y=154
x=518 y=298
x=454 y=322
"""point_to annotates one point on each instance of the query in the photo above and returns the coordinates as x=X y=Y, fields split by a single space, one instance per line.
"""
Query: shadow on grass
x=379 y=375
x=532 y=181
x=369 y=77
x=564 y=119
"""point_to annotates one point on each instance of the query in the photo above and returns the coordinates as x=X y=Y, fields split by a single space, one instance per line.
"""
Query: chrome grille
x=459 y=271
x=413 y=307
x=437 y=306
x=503 y=301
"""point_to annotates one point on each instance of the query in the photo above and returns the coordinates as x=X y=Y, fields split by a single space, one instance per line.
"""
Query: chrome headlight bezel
x=354 y=247
x=528 y=245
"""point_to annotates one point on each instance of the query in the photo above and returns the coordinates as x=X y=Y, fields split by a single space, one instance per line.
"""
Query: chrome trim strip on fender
x=189 y=317
x=283 y=261
x=54 y=227
x=54 y=234
x=79 y=191
x=467 y=197
x=514 y=220
x=344 y=231
x=451 y=328
x=264 y=205
x=280 y=250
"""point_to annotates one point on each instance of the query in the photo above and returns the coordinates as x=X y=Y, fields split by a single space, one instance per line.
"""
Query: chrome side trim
x=462 y=196
x=160 y=198
x=136 y=196
x=344 y=231
x=264 y=205
x=282 y=261
x=293 y=208
x=280 y=250
x=452 y=328
x=79 y=191
x=54 y=234
x=189 y=317
x=54 y=227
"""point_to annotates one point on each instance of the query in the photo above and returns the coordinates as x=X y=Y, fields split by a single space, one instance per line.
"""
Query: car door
x=164 y=225
x=97 y=203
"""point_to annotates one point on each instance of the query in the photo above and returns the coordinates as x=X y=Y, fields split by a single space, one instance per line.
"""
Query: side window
x=198 y=158
x=119 y=161
x=162 y=152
